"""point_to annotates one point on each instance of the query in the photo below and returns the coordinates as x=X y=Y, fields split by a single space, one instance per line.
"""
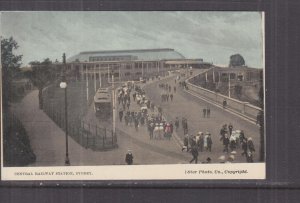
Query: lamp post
x=113 y=102
x=229 y=86
x=63 y=85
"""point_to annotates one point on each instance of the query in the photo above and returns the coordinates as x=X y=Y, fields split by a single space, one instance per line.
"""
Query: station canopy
x=137 y=54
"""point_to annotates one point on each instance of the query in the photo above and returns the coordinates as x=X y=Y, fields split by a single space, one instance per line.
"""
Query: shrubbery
x=16 y=145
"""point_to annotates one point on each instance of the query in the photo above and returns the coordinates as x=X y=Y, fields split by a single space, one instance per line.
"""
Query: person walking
x=208 y=112
x=128 y=105
x=259 y=118
x=126 y=119
x=249 y=157
x=184 y=125
x=195 y=154
x=185 y=143
x=250 y=145
x=151 y=129
x=121 y=114
x=201 y=142
x=171 y=97
x=209 y=142
x=230 y=127
x=225 y=143
x=174 y=89
x=223 y=131
x=130 y=117
x=244 y=147
x=224 y=104
x=134 y=96
x=204 y=112
x=136 y=123
x=176 y=123
x=129 y=157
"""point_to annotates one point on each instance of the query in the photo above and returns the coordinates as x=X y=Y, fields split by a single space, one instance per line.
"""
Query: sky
x=212 y=36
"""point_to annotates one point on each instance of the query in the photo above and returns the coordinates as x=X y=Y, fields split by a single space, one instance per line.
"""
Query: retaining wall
x=244 y=108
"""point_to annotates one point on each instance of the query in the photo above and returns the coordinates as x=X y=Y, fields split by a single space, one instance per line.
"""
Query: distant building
x=130 y=64
x=127 y=55
x=239 y=74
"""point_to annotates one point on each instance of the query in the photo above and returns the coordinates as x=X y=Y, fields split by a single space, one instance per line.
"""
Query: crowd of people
x=231 y=140
x=234 y=139
x=167 y=94
x=146 y=116
x=150 y=117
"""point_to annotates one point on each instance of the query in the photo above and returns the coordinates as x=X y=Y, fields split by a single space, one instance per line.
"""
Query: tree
x=10 y=66
x=236 y=60
x=41 y=75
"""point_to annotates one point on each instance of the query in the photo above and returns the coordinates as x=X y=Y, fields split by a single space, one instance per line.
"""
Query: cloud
x=213 y=36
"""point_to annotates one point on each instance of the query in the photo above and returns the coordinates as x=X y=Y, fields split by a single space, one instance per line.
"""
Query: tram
x=103 y=103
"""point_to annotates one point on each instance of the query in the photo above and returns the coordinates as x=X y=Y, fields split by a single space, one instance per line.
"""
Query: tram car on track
x=103 y=103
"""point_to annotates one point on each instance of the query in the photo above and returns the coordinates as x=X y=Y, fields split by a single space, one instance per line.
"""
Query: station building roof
x=136 y=54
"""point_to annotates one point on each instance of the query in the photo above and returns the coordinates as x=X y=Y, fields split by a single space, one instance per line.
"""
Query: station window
x=136 y=65
x=232 y=76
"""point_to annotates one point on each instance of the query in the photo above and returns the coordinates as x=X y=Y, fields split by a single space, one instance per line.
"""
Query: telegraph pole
x=229 y=95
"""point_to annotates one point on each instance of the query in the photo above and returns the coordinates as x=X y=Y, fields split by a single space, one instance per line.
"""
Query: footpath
x=163 y=151
x=48 y=142
x=171 y=148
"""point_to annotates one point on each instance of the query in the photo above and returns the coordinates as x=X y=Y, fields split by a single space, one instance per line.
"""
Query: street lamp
x=63 y=85
x=113 y=102
x=229 y=86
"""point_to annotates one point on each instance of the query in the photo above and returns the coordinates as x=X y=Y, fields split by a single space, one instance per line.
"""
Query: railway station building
x=131 y=64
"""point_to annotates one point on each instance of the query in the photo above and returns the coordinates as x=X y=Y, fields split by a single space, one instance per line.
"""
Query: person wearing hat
x=249 y=157
x=223 y=131
x=209 y=142
x=225 y=143
x=244 y=147
x=204 y=112
x=230 y=128
x=208 y=112
x=129 y=157
x=250 y=145
x=201 y=142
x=176 y=123
x=192 y=140
x=185 y=143
x=197 y=138
x=194 y=152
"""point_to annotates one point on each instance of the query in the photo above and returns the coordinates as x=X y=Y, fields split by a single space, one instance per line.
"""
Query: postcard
x=117 y=95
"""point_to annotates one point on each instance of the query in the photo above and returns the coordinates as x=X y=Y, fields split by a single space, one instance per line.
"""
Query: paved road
x=48 y=142
x=139 y=142
x=186 y=105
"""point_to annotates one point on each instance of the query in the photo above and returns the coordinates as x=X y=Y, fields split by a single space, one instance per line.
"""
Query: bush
x=16 y=146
